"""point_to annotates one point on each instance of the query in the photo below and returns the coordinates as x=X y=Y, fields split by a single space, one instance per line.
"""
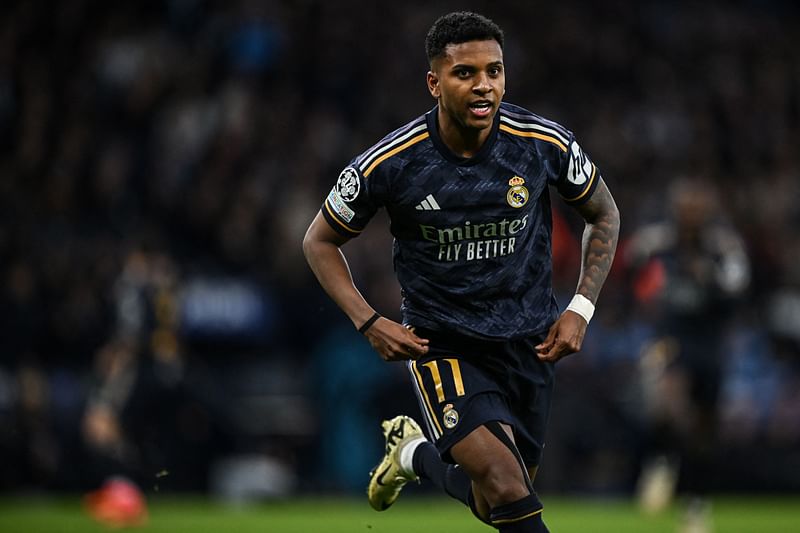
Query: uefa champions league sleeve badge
x=348 y=185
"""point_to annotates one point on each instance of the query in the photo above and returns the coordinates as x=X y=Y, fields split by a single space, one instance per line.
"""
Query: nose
x=482 y=84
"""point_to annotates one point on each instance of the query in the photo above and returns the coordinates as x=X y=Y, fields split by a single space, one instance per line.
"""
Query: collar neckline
x=433 y=129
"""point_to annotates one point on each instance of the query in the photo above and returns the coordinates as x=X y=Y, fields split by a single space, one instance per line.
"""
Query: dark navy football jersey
x=472 y=248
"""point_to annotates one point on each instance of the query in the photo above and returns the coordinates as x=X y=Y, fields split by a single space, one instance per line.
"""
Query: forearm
x=391 y=340
x=330 y=267
x=599 y=243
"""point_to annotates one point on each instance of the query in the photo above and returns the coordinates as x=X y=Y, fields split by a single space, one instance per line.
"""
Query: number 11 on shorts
x=458 y=382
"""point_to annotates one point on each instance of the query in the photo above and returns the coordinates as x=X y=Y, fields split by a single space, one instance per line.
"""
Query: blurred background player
x=146 y=424
x=693 y=272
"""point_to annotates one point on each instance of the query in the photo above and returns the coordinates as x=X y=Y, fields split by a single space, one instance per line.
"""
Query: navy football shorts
x=462 y=383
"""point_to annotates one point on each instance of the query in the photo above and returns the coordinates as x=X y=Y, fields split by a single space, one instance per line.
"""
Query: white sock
x=407 y=455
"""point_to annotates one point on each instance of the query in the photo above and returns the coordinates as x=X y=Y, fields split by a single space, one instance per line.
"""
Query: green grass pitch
x=410 y=515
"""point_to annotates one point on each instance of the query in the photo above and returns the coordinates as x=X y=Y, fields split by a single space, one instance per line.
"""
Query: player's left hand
x=565 y=337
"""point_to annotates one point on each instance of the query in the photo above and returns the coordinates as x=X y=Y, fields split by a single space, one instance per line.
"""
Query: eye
x=463 y=73
x=495 y=71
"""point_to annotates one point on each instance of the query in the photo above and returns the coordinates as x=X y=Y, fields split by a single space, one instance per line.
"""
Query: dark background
x=160 y=161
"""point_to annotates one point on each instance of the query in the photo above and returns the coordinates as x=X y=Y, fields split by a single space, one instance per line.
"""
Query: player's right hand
x=395 y=342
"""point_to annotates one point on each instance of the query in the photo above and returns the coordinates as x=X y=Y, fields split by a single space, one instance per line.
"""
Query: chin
x=480 y=123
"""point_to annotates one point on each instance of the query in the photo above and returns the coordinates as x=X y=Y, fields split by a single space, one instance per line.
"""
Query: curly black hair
x=460 y=27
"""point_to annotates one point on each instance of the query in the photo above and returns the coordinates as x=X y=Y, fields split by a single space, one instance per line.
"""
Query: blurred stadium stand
x=160 y=161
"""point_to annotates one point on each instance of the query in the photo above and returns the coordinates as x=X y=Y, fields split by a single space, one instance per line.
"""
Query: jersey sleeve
x=351 y=203
x=578 y=176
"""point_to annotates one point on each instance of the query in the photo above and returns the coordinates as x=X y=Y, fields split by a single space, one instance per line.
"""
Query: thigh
x=455 y=398
x=496 y=474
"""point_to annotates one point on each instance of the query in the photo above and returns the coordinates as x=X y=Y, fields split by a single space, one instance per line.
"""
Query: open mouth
x=481 y=109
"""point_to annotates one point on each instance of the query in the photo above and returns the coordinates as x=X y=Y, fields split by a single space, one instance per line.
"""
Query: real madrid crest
x=450 y=416
x=517 y=195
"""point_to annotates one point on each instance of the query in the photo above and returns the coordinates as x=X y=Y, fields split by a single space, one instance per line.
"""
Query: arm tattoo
x=599 y=241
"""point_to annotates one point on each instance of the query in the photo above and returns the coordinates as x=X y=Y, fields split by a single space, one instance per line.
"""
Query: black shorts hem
x=471 y=420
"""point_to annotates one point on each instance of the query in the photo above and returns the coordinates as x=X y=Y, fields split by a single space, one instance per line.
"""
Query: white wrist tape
x=583 y=306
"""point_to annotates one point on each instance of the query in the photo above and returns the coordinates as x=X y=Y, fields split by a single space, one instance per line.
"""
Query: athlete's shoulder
x=394 y=143
x=574 y=174
x=519 y=122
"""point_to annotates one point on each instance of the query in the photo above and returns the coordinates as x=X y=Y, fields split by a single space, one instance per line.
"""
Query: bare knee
x=501 y=483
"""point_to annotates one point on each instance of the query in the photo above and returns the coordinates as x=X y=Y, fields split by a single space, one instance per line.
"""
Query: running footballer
x=467 y=188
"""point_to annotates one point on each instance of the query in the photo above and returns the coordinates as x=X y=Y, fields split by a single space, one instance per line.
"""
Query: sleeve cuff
x=587 y=191
x=338 y=226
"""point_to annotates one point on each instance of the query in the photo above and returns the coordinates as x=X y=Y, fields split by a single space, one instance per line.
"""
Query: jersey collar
x=432 y=118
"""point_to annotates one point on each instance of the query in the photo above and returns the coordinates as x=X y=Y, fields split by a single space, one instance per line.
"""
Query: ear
x=433 y=84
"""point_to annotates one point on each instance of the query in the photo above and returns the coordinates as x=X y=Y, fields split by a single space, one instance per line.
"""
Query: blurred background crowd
x=160 y=161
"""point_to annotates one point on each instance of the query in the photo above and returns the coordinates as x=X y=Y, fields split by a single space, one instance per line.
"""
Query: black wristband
x=368 y=324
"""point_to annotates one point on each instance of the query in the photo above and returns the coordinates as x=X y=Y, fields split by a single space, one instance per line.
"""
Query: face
x=469 y=82
x=693 y=205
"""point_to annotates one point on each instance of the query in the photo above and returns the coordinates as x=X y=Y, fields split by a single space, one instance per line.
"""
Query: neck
x=463 y=142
